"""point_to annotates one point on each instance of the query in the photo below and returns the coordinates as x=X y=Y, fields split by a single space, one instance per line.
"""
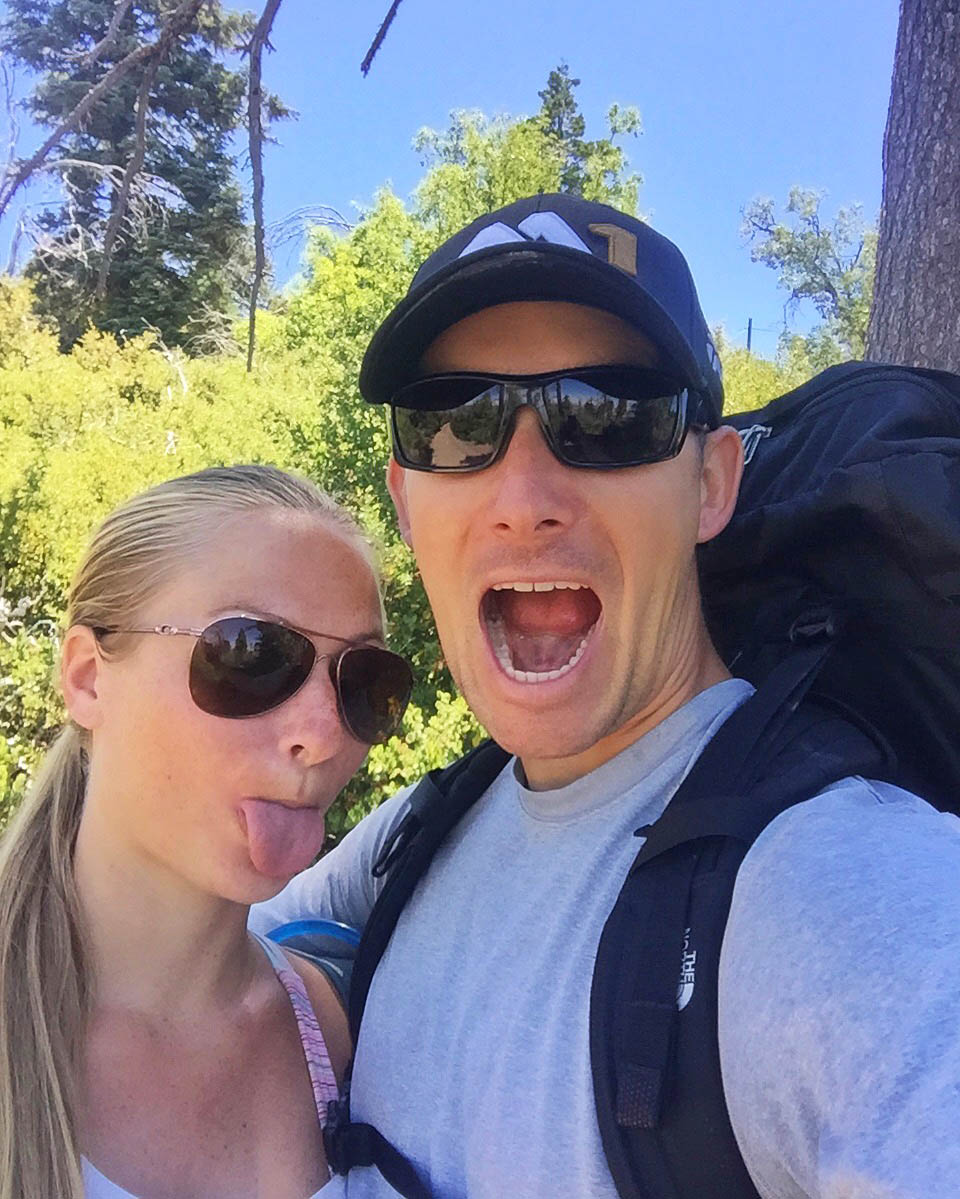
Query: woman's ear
x=80 y=666
x=720 y=474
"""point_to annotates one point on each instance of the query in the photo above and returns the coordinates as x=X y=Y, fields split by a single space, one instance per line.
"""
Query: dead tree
x=259 y=40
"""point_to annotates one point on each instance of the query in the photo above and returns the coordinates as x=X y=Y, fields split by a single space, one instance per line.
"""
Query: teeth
x=557 y=586
x=498 y=639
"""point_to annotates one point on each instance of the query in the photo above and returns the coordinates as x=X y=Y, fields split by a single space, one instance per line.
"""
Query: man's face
x=566 y=599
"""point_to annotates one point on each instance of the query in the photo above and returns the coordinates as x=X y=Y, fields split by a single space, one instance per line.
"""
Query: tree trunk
x=915 y=318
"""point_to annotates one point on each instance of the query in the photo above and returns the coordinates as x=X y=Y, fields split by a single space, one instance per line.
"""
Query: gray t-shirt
x=474 y=1057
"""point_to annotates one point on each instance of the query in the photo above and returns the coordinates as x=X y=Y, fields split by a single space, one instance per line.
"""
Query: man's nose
x=532 y=491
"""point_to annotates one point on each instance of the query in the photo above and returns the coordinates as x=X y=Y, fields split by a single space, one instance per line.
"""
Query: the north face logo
x=538 y=226
x=549 y=226
x=688 y=970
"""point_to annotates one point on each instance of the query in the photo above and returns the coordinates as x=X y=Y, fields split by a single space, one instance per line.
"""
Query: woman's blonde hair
x=44 y=987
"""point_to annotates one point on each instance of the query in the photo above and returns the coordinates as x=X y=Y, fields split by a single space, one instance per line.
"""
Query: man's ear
x=719 y=480
x=80 y=666
x=397 y=486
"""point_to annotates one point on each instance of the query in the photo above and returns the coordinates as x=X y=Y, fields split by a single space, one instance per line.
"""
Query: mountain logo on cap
x=549 y=226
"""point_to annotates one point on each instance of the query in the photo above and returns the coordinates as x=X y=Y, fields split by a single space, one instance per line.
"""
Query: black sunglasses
x=597 y=417
x=243 y=666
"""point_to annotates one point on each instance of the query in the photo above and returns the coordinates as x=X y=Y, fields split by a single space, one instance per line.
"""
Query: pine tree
x=590 y=168
x=182 y=256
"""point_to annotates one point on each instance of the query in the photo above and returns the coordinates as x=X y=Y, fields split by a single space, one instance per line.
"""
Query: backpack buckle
x=339 y=1137
x=816 y=624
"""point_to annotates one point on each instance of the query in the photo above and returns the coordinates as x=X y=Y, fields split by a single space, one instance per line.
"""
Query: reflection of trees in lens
x=462 y=436
x=592 y=426
x=415 y=432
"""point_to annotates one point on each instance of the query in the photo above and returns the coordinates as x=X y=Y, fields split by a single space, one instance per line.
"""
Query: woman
x=149 y=1046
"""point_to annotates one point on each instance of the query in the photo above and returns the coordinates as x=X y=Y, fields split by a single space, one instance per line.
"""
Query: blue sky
x=738 y=100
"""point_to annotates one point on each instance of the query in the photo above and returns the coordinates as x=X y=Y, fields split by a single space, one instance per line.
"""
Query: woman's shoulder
x=328 y=1009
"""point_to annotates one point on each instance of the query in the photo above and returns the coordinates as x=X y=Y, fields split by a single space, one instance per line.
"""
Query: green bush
x=82 y=431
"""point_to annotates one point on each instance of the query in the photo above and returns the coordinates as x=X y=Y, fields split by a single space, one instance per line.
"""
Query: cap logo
x=538 y=226
x=621 y=246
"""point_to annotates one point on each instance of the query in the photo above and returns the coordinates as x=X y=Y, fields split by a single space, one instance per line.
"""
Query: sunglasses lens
x=450 y=424
x=599 y=417
x=241 y=667
x=616 y=418
x=373 y=686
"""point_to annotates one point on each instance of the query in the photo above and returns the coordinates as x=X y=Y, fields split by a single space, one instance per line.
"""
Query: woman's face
x=235 y=806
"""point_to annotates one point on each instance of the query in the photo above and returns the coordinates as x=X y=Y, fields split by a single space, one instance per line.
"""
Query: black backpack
x=835 y=591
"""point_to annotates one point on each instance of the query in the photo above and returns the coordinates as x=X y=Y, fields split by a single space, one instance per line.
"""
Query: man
x=555 y=525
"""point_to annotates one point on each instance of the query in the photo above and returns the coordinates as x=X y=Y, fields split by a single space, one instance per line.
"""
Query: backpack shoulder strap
x=436 y=805
x=653 y=1018
x=439 y=801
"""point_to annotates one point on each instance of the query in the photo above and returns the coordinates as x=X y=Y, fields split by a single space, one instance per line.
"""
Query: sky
x=738 y=100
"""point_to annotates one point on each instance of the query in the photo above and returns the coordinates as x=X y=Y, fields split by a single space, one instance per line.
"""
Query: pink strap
x=322 y=1078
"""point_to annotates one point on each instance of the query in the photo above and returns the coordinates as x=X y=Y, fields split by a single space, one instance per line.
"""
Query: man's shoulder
x=369 y=834
x=860 y=816
x=844 y=859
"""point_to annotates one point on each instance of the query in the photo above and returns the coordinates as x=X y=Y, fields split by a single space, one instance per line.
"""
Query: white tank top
x=98 y=1186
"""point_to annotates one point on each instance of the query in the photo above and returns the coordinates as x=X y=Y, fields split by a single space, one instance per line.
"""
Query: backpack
x=835 y=591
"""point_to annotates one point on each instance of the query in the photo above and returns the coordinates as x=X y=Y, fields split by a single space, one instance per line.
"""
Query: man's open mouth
x=539 y=631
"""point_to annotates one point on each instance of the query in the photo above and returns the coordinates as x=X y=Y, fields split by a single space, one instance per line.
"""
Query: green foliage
x=830 y=265
x=749 y=381
x=595 y=170
x=182 y=257
x=83 y=430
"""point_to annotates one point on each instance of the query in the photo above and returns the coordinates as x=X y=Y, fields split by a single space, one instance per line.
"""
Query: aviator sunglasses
x=597 y=417
x=243 y=666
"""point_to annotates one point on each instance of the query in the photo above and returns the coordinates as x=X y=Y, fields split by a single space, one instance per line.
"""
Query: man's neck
x=549 y=774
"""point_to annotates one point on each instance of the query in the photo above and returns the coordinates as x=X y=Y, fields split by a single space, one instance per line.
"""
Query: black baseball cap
x=551 y=247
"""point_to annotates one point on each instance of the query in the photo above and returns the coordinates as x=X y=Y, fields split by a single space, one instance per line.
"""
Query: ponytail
x=43 y=989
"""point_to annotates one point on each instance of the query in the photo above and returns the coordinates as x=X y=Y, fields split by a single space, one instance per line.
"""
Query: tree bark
x=915 y=318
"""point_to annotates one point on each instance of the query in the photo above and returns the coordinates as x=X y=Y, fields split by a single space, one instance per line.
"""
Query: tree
x=478 y=164
x=151 y=231
x=916 y=313
x=84 y=430
x=588 y=167
x=829 y=265
x=176 y=20
x=750 y=381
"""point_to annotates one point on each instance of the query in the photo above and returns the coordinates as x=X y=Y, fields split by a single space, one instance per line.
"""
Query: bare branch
x=7 y=78
x=15 y=246
x=259 y=39
x=133 y=168
x=93 y=55
x=378 y=40
x=77 y=241
x=173 y=357
x=295 y=224
x=180 y=19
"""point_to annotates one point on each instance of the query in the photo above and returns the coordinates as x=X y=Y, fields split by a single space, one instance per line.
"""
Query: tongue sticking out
x=541 y=631
x=282 y=841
